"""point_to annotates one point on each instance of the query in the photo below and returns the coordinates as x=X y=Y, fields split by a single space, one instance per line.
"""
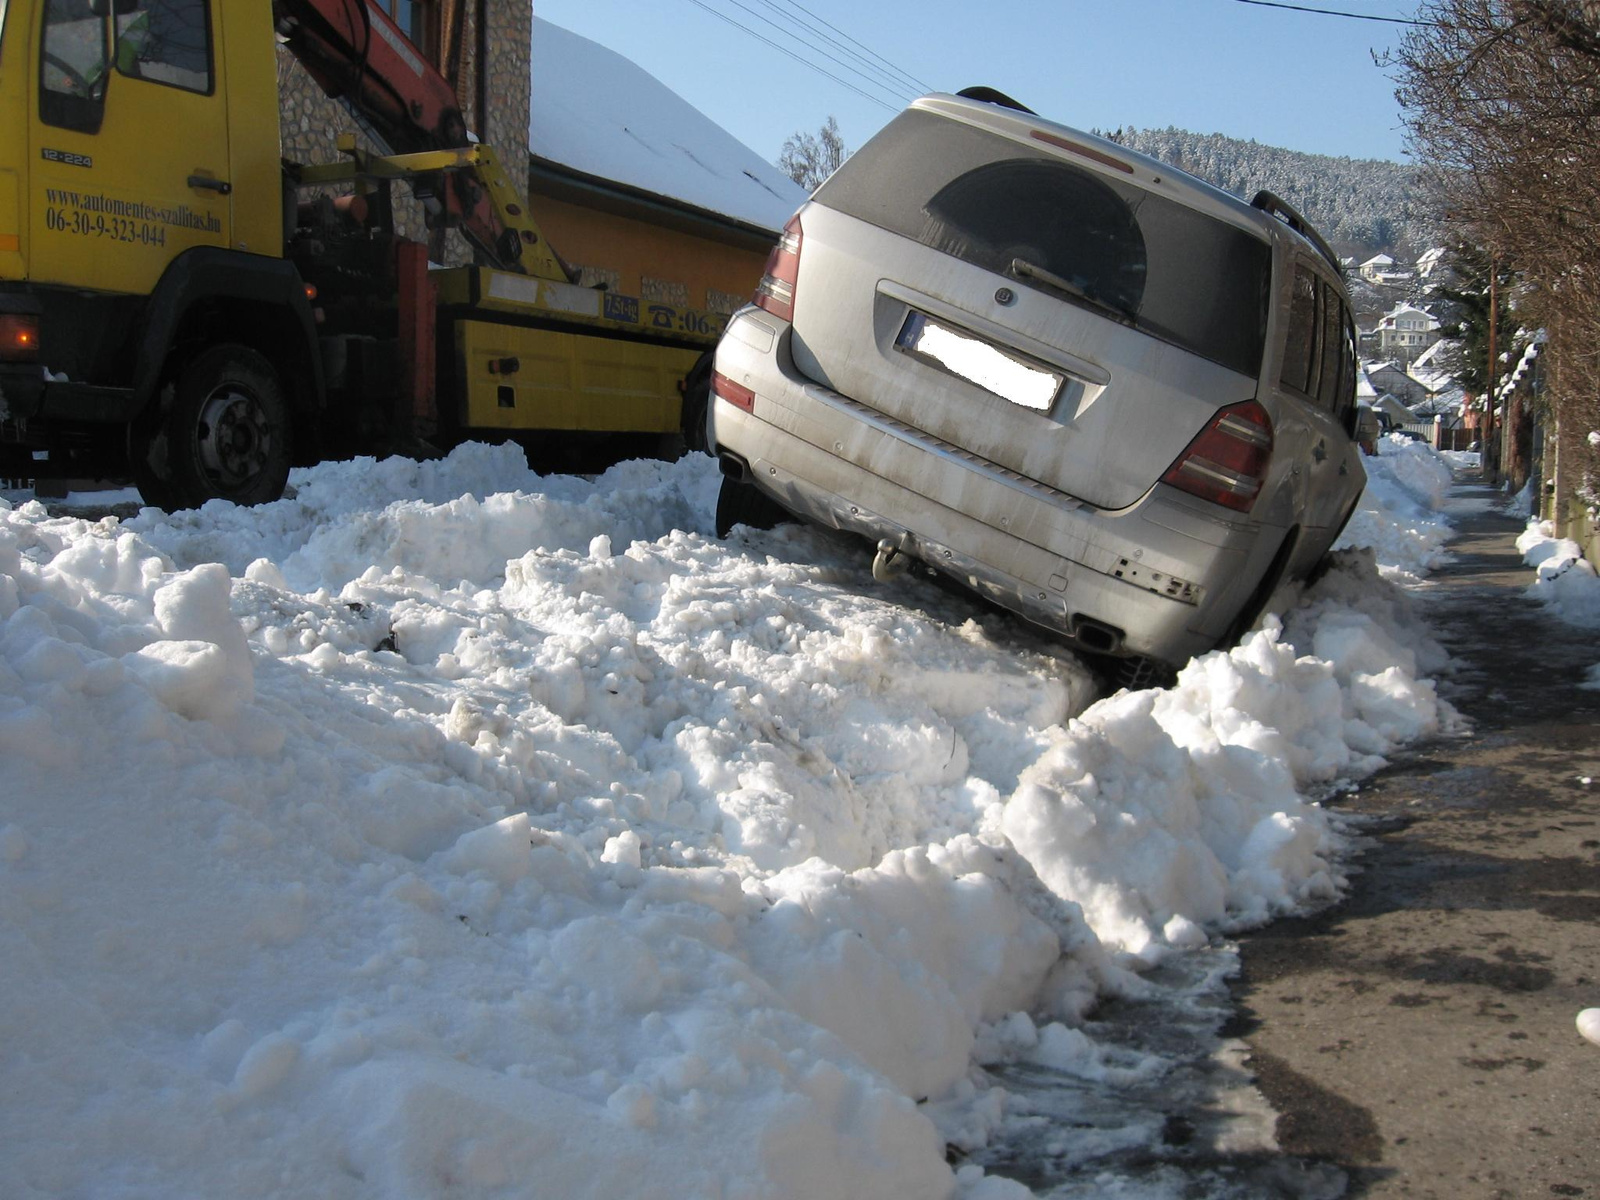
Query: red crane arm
x=356 y=52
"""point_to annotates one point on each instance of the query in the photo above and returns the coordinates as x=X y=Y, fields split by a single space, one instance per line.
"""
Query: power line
x=906 y=75
x=894 y=87
x=798 y=58
x=880 y=77
x=1330 y=12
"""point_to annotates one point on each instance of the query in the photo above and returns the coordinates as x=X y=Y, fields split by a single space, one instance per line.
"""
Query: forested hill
x=1362 y=206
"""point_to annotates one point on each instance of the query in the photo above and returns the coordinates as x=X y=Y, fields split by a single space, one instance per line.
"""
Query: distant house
x=1428 y=367
x=1381 y=269
x=1391 y=379
x=1374 y=267
x=1406 y=331
x=1391 y=411
x=1428 y=262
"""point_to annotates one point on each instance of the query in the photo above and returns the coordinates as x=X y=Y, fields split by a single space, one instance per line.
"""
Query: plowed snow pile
x=451 y=830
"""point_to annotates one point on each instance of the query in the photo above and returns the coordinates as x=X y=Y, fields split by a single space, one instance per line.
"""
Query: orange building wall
x=643 y=256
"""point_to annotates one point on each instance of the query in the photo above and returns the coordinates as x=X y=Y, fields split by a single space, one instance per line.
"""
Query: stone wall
x=311 y=122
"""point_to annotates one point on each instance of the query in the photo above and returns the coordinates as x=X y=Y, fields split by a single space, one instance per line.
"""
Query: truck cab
x=141 y=227
x=182 y=306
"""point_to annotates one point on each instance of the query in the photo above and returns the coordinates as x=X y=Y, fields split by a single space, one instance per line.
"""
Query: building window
x=418 y=20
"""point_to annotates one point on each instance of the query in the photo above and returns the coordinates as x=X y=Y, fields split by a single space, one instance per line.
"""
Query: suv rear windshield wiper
x=1023 y=269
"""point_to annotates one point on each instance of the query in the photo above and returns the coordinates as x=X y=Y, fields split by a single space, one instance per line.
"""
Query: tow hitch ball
x=889 y=563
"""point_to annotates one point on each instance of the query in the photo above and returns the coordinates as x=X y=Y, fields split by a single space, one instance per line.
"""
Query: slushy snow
x=446 y=829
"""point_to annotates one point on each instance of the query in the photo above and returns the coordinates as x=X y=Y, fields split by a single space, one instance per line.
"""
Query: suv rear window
x=1103 y=243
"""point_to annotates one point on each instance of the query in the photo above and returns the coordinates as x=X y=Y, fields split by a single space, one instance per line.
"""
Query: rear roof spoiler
x=1277 y=206
x=991 y=95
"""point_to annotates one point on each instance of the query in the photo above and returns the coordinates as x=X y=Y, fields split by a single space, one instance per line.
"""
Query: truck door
x=129 y=161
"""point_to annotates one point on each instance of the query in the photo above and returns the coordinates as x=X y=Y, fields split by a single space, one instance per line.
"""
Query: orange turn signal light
x=19 y=337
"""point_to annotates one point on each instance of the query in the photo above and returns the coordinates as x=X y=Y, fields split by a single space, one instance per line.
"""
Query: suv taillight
x=1227 y=462
x=775 y=292
x=19 y=337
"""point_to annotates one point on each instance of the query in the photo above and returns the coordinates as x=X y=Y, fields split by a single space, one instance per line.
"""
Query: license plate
x=978 y=362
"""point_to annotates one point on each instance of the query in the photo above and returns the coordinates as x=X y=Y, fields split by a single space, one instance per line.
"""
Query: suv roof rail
x=994 y=96
x=1277 y=206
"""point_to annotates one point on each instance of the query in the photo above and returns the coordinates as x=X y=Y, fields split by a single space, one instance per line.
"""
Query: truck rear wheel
x=227 y=434
x=696 y=397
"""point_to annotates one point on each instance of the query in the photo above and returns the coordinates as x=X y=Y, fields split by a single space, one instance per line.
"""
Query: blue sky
x=1298 y=80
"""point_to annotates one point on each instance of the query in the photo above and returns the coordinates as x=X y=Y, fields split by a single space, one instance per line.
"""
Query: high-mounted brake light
x=1227 y=462
x=19 y=337
x=775 y=292
x=727 y=389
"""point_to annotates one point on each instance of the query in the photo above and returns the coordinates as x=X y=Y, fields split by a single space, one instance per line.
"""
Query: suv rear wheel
x=743 y=504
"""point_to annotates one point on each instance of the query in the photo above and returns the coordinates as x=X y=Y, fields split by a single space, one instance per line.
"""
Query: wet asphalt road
x=1419 y=1036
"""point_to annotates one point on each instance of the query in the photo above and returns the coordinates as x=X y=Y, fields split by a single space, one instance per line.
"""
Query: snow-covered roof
x=1434 y=381
x=596 y=113
x=1379 y=260
x=1432 y=354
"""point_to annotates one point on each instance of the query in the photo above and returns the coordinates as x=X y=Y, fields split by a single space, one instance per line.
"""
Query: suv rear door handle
x=221 y=186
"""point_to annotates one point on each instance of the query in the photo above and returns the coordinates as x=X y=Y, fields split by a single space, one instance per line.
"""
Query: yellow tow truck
x=179 y=304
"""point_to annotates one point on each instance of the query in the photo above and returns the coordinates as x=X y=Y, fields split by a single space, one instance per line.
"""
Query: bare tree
x=808 y=158
x=1502 y=108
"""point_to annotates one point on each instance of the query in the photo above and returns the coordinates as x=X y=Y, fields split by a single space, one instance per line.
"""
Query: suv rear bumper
x=1163 y=577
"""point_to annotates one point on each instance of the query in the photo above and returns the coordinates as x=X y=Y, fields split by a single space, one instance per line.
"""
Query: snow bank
x=1398 y=515
x=1565 y=582
x=448 y=829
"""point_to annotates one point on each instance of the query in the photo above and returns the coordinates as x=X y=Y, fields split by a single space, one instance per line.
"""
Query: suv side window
x=1344 y=402
x=1300 y=352
x=167 y=41
x=1333 y=320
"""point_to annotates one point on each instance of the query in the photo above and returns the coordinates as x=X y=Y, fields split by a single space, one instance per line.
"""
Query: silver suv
x=1099 y=391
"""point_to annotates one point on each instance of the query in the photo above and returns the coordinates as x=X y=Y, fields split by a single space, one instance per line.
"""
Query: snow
x=1589 y=1024
x=598 y=113
x=1398 y=516
x=1565 y=581
x=448 y=829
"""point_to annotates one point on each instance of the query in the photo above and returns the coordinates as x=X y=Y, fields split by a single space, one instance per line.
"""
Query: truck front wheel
x=227 y=433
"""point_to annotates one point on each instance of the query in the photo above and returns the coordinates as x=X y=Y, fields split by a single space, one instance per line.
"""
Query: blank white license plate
x=960 y=354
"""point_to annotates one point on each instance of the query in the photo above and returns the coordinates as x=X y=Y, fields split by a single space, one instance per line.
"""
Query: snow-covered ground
x=448 y=830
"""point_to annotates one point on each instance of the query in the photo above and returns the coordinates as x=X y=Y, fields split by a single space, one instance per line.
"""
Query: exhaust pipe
x=1097 y=635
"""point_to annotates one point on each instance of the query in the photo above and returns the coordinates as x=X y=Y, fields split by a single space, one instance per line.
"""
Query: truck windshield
x=1100 y=243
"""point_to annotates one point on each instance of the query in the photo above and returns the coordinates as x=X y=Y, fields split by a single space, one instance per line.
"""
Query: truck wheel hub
x=233 y=434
